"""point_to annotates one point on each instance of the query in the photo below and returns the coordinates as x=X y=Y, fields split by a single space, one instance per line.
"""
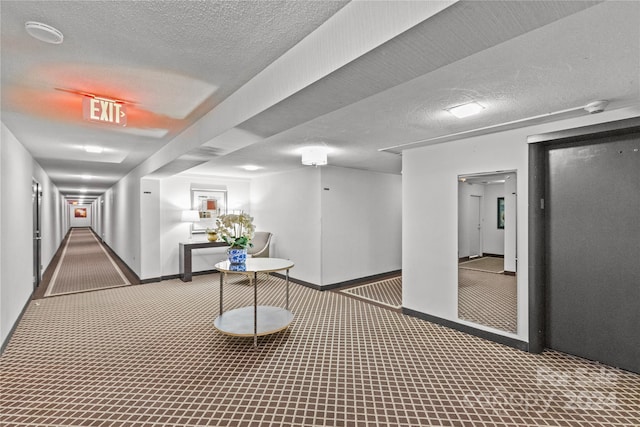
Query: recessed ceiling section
x=463 y=29
x=159 y=92
x=507 y=79
x=78 y=153
x=233 y=139
x=63 y=107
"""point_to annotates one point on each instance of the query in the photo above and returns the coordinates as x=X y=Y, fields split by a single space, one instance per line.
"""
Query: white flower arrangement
x=236 y=230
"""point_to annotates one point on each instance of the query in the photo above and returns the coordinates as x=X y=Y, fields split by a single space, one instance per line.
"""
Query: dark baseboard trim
x=156 y=279
x=298 y=281
x=15 y=324
x=466 y=258
x=509 y=273
x=346 y=284
x=493 y=255
x=500 y=339
x=363 y=280
x=175 y=276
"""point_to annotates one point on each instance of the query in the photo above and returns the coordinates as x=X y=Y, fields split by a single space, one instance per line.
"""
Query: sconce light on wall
x=314 y=156
x=190 y=216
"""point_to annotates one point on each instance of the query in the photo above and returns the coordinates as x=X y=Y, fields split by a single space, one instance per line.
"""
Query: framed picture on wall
x=209 y=204
x=80 y=213
x=500 y=212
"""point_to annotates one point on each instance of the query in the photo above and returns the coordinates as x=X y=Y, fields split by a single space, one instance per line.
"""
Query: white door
x=475 y=227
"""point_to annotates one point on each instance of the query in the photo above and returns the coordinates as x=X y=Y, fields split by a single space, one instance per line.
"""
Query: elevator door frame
x=538 y=146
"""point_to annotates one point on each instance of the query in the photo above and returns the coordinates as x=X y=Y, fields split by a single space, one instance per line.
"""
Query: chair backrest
x=261 y=240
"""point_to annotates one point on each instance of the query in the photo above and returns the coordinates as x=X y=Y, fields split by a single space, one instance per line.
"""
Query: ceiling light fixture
x=43 y=32
x=251 y=167
x=93 y=149
x=314 y=156
x=465 y=110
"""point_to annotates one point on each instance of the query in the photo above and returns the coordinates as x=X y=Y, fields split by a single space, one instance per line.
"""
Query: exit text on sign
x=104 y=111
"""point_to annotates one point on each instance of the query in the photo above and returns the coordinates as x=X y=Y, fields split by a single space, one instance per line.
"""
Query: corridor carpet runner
x=386 y=292
x=85 y=265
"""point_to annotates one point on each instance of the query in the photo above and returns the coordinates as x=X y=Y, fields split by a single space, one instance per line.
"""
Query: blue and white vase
x=237 y=256
x=238 y=267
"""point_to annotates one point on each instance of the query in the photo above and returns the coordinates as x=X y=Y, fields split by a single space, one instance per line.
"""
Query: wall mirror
x=487 y=259
x=209 y=204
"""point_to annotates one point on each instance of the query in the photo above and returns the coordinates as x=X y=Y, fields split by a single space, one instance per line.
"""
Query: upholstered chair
x=261 y=240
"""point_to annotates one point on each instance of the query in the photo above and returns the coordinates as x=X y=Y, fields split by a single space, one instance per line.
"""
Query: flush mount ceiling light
x=465 y=110
x=93 y=149
x=314 y=156
x=43 y=32
x=251 y=167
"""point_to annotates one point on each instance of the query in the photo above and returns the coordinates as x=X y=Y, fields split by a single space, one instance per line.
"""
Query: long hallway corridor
x=84 y=265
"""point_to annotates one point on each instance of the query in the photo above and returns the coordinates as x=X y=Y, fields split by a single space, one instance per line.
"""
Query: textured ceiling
x=178 y=62
x=174 y=60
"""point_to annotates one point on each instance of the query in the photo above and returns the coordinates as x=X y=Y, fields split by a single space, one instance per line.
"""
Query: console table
x=184 y=256
x=257 y=320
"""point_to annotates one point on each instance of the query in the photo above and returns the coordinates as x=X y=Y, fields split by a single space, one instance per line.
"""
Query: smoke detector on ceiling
x=43 y=32
x=596 y=106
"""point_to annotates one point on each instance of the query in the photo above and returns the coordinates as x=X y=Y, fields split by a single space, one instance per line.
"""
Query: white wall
x=429 y=220
x=80 y=222
x=96 y=220
x=349 y=231
x=175 y=196
x=52 y=216
x=17 y=170
x=4 y=323
x=150 y=229
x=361 y=224
x=465 y=192
x=122 y=220
x=511 y=196
x=430 y=229
x=492 y=236
x=288 y=205
x=16 y=283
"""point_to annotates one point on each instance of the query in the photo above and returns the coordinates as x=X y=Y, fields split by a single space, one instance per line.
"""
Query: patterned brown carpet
x=487 y=263
x=148 y=355
x=386 y=292
x=487 y=298
x=85 y=265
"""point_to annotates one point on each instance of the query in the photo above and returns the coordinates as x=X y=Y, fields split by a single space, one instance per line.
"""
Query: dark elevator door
x=593 y=250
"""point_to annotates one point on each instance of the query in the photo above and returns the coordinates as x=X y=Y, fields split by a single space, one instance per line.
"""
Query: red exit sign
x=104 y=111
